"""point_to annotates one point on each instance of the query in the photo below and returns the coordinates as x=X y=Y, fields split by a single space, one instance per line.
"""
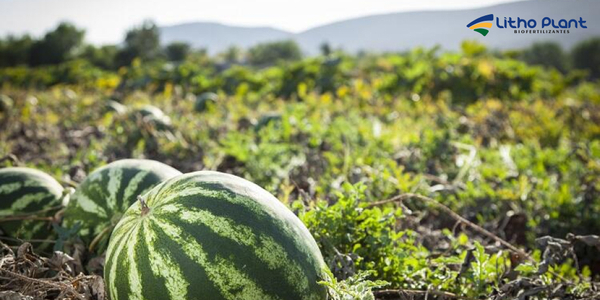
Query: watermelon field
x=416 y=175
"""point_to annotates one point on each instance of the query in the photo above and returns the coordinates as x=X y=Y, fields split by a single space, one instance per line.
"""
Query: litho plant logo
x=527 y=26
x=480 y=24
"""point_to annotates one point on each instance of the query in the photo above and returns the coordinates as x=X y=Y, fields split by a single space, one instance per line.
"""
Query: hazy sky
x=106 y=21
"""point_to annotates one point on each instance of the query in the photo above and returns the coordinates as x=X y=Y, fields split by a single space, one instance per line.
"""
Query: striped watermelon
x=152 y=115
x=102 y=198
x=6 y=103
x=202 y=101
x=25 y=191
x=210 y=235
x=115 y=107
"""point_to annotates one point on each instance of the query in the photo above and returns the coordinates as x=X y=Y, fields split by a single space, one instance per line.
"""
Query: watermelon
x=267 y=119
x=115 y=107
x=210 y=235
x=6 y=103
x=152 y=115
x=26 y=191
x=202 y=101
x=102 y=198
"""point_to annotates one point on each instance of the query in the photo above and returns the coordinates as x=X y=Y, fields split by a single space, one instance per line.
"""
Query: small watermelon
x=115 y=107
x=152 y=115
x=210 y=235
x=6 y=103
x=25 y=191
x=202 y=101
x=102 y=198
x=267 y=119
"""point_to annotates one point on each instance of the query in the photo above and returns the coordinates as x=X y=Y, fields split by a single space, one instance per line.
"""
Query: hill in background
x=401 y=31
x=217 y=37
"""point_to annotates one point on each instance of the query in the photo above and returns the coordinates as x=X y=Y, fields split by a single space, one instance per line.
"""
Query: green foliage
x=325 y=49
x=370 y=242
x=357 y=287
x=15 y=51
x=177 y=51
x=548 y=54
x=57 y=46
x=232 y=55
x=267 y=53
x=102 y=57
x=586 y=56
x=369 y=234
x=141 y=42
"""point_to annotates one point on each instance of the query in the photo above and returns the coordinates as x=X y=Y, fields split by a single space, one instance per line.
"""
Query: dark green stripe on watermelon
x=156 y=283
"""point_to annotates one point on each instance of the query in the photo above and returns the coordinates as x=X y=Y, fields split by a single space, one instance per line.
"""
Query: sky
x=106 y=21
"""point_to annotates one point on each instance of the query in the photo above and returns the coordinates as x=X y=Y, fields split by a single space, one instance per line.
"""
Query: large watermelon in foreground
x=102 y=198
x=26 y=191
x=210 y=235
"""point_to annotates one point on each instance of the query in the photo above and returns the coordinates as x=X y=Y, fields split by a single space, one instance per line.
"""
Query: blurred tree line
x=66 y=42
x=584 y=56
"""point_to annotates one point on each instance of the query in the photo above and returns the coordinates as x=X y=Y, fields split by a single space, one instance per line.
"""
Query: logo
x=522 y=26
x=480 y=24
